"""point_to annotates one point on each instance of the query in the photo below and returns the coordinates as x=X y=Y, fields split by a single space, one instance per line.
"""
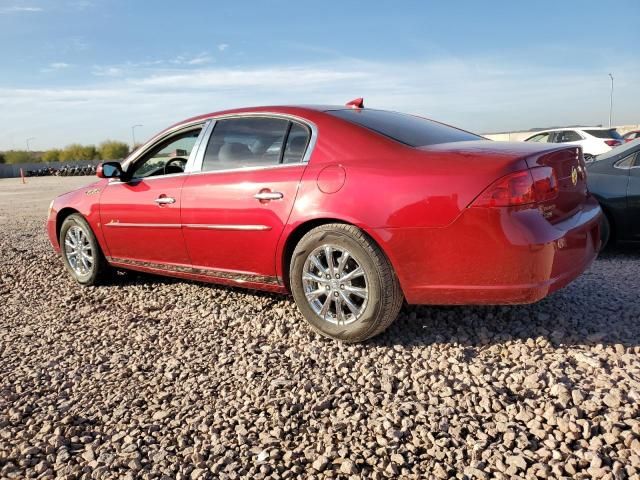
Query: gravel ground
x=157 y=378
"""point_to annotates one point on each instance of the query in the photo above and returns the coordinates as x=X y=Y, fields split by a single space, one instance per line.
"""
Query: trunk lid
x=569 y=167
x=564 y=159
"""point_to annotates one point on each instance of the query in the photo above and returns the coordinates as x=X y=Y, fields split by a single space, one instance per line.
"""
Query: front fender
x=86 y=202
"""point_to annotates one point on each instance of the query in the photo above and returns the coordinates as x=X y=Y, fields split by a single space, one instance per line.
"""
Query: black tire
x=99 y=270
x=605 y=232
x=384 y=295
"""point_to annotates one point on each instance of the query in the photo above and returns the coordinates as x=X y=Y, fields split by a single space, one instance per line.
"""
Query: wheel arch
x=61 y=217
x=613 y=228
x=303 y=228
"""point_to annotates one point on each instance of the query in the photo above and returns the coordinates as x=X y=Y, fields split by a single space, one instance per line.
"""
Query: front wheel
x=80 y=251
x=343 y=283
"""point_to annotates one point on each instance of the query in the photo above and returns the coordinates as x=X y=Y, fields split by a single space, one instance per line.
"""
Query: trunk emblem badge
x=574 y=176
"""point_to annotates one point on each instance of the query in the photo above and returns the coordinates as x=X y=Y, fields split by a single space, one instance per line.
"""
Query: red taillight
x=613 y=143
x=536 y=185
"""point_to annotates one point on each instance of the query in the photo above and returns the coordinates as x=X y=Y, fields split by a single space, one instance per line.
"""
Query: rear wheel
x=81 y=253
x=605 y=232
x=343 y=283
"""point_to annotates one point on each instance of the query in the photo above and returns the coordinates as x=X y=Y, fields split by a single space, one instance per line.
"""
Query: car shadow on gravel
x=131 y=277
x=620 y=252
x=589 y=311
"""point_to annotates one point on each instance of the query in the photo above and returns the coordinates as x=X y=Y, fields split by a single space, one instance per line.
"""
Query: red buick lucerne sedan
x=351 y=210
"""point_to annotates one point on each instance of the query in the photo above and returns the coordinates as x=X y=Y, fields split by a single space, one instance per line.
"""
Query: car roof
x=581 y=129
x=561 y=129
x=290 y=109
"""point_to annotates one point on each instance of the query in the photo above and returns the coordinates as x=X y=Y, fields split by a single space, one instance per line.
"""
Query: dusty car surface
x=350 y=209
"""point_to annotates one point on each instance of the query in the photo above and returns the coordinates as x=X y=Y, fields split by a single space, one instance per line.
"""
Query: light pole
x=611 y=101
x=133 y=136
x=28 y=140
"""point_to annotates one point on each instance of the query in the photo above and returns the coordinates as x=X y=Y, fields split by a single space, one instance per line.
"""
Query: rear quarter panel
x=389 y=185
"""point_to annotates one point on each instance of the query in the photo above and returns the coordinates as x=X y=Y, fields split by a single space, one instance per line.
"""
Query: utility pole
x=133 y=136
x=28 y=140
x=611 y=101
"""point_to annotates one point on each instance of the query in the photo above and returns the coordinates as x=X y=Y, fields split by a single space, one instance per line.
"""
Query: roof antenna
x=356 y=103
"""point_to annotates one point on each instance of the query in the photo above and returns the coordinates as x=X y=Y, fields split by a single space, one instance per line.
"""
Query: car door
x=235 y=209
x=633 y=198
x=140 y=214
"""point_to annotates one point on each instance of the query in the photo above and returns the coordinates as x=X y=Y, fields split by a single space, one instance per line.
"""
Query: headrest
x=230 y=152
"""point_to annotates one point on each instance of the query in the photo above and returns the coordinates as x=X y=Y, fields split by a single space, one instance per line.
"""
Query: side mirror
x=109 y=170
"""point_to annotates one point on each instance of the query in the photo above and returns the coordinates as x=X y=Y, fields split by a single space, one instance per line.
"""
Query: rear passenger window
x=245 y=142
x=626 y=163
x=568 y=136
x=297 y=142
x=541 y=137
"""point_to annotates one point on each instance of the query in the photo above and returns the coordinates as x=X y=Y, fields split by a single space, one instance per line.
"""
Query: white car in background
x=593 y=140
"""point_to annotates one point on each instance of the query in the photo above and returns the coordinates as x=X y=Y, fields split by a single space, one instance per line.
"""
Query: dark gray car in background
x=614 y=179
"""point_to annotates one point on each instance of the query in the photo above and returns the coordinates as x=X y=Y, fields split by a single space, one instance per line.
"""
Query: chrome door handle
x=268 y=196
x=165 y=200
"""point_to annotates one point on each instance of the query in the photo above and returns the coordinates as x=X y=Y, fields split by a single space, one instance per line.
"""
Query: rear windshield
x=407 y=129
x=611 y=133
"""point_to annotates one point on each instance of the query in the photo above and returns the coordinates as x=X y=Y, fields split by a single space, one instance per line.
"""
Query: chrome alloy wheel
x=335 y=285
x=78 y=251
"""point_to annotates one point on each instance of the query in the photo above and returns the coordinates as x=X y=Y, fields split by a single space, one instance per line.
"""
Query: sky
x=88 y=70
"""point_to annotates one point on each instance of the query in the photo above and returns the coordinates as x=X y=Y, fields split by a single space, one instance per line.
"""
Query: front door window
x=169 y=157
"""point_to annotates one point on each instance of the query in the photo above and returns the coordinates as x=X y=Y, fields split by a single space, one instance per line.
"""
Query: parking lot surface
x=159 y=378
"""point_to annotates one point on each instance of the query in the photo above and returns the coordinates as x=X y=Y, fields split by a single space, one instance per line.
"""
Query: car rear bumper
x=493 y=256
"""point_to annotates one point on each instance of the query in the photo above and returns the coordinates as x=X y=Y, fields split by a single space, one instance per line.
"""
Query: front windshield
x=621 y=150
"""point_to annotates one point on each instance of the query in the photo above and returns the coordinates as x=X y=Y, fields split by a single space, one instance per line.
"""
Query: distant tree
x=1 y=157
x=17 y=156
x=75 y=152
x=113 y=150
x=51 y=155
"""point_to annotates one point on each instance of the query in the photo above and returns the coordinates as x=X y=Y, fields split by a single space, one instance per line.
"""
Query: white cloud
x=200 y=59
x=81 y=4
x=55 y=66
x=260 y=78
x=19 y=9
x=223 y=46
x=106 y=71
x=479 y=94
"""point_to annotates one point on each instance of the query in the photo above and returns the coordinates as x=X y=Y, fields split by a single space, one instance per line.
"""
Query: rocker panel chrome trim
x=238 y=277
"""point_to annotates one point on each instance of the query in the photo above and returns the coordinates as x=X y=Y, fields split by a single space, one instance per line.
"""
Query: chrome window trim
x=251 y=169
x=196 y=148
x=633 y=161
x=203 y=141
x=146 y=179
x=161 y=138
x=144 y=149
x=293 y=118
